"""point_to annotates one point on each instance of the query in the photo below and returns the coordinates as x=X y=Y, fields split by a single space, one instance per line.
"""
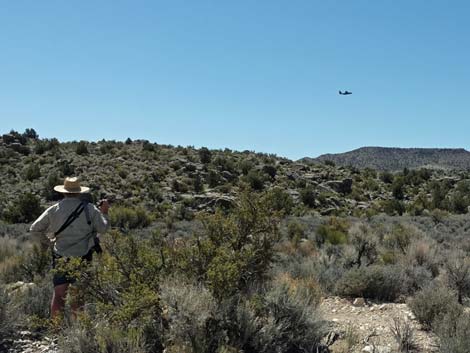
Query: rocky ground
x=355 y=326
x=360 y=326
x=27 y=342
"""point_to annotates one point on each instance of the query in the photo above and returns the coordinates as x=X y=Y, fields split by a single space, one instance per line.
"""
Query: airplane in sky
x=345 y=93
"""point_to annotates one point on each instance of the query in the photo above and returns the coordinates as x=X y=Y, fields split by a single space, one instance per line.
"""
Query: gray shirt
x=78 y=238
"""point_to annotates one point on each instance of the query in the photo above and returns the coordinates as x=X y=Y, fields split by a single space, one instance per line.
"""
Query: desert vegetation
x=226 y=251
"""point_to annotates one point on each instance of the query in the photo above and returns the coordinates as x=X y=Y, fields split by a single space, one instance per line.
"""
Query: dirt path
x=369 y=325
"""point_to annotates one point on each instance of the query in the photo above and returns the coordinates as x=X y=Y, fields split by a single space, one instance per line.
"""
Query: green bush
x=334 y=232
x=24 y=209
x=234 y=251
x=295 y=231
x=7 y=317
x=255 y=179
x=279 y=200
x=129 y=218
x=205 y=155
x=452 y=331
x=48 y=190
x=362 y=238
x=31 y=172
x=375 y=282
x=457 y=267
x=82 y=148
x=432 y=303
x=307 y=195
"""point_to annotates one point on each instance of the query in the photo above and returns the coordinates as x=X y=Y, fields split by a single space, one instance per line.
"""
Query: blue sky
x=257 y=75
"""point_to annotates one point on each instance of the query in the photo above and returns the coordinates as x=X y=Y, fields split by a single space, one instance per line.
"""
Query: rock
x=330 y=338
x=341 y=186
x=377 y=349
x=329 y=211
x=358 y=302
x=19 y=287
x=227 y=175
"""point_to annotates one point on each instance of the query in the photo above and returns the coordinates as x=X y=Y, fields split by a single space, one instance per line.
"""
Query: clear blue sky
x=257 y=75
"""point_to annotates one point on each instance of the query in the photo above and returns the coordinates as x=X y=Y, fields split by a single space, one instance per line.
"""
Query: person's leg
x=58 y=299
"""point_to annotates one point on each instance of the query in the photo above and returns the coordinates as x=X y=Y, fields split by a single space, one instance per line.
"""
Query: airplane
x=345 y=93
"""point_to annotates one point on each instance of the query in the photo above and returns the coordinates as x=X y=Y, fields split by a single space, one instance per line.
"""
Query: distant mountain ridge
x=394 y=159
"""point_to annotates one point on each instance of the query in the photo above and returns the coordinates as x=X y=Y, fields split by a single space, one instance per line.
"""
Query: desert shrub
x=459 y=200
x=66 y=168
x=432 y=302
x=334 y=232
x=328 y=271
x=191 y=312
x=279 y=200
x=457 y=267
x=213 y=178
x=399 y=238
x=416 y=277
x=24 y=209
x=148 y=147
x=198 y=185
x=295 y=231
x=362 y=238
x=270 y=170
x=82 y=148
x=32 y=302
x=121 y=288
x=246 y=166
x=375 y=282
x=30 y=134
x=205 y=155
x=421 y=253
x=179 y=186
x=129 y=218
x=35 y=262
x=393 y=207
x=439 y=190
x=452 y=330
x=276 y=321
x=9 y=247
x=234 y=250
x=292 y=323
x=100 y=337
x=402 y=332
x=7 y=314
x=387 y=177
x=48 y=189
x=307 y=195
x=398 y=188
x=31 y=172
x=255 y=179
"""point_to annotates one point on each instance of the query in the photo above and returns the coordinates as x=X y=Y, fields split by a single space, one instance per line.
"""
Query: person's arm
x=39 y=228
x=40 y=225
x=100 y=217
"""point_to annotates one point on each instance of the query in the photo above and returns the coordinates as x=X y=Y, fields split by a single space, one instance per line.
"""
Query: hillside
x=178 y=182
x=226 y=251
x=396 y=159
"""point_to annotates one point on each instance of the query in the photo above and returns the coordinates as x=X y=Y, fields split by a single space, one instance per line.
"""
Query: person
x=72 y=226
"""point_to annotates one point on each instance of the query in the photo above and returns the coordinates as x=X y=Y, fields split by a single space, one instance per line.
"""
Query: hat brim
x=63 y=190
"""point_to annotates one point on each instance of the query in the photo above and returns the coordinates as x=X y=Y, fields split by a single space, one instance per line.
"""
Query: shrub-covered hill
x=395 y=159
x=150 y=181
x=251 y=276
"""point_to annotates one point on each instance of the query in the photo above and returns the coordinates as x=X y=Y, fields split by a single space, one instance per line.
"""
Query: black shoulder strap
x=71 y=218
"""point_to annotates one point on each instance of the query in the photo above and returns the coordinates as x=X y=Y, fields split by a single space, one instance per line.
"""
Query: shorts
x=61 y=277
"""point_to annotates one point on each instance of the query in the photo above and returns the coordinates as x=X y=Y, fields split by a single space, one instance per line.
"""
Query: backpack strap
x=87 y=212
x=71 y=218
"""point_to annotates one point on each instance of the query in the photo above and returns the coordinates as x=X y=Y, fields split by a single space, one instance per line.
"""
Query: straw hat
x=71 y=186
